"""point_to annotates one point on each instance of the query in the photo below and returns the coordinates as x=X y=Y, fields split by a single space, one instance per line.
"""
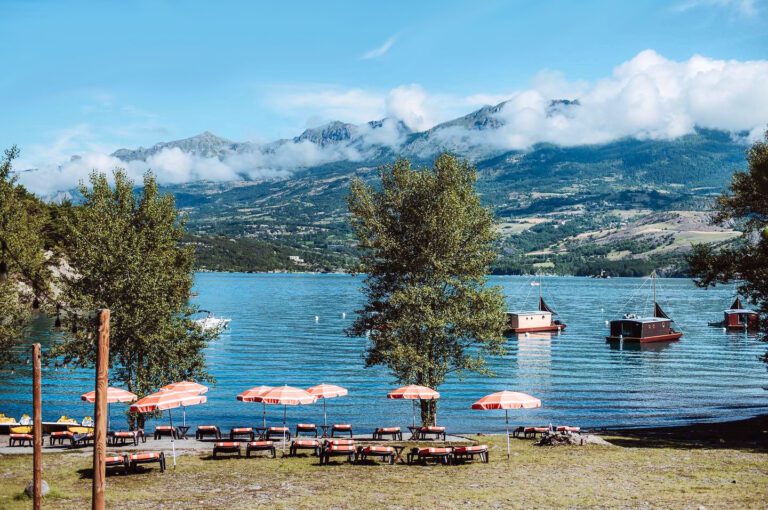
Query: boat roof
x=531 y=312
x=644 y=320
x=739 y=310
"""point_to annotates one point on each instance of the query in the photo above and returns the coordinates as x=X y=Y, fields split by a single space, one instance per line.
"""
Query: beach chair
x=532 y=432
x=304 y=444
x=20 y=439
x=117 y=462
x=227 y=447
x=385 y=453
x=122 y=437
x=165 y=430
x=260 y=446
x=464 y=453
x=236 y=432
x=204 y=431
x=393 y=432
x=135 y=459
x=278 y=433
x=567 y=429
x=338 y=448
x=341 y=428
x=432 y=430
x=306 y=428
x=60 y=436
x=424 y=455
x=82 y=440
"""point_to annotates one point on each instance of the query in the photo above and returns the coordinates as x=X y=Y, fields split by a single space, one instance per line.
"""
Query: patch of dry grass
x=560 y=477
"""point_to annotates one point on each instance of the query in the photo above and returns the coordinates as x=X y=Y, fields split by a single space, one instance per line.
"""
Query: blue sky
x=95 y=76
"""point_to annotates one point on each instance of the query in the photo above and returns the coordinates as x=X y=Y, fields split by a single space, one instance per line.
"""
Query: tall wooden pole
x=37 y=429
x=100 y=413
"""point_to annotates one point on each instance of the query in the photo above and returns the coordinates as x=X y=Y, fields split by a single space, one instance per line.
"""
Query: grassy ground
x=635 y=475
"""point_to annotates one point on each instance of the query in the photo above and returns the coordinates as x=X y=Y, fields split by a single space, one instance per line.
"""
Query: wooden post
x=37 y=430
x=100 y=413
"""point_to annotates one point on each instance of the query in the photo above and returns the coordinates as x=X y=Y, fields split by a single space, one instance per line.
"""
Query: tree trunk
x=428 y=411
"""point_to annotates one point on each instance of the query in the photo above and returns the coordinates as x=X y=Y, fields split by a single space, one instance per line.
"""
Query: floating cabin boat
x=633 y=328
x=738 y=318
x=535 y=321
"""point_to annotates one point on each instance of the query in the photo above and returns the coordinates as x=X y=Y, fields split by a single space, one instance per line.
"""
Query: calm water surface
x=288 y=329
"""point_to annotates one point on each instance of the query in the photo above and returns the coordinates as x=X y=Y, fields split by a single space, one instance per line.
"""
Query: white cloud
x=743 y=7
x=381 y=50
x=325 y=103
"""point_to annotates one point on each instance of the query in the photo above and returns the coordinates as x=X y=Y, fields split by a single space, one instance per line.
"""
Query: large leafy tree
x=746 y=204
x=426 y=245
x=24 y=273
x=126 y=253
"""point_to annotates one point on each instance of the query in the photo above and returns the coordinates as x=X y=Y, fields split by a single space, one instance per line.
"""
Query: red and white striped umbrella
x=326 y=391
x=114 y=395
x=414 y=392
x=188 y=386
x=253 y=395
x=507 y=400
x=165 y=401
x=286 y=396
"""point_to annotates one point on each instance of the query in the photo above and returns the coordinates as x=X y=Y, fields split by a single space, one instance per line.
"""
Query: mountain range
x=559 y=208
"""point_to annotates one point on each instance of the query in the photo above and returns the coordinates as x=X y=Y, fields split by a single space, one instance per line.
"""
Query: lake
x=288 y=329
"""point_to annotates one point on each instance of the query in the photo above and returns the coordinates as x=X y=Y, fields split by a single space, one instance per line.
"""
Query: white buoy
x=606 y=323
x=343 y=315
x=724 y=329
x=602 y=309
x=317 y=318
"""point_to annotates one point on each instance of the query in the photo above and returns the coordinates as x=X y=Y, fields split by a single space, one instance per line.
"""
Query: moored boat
x=634 y=328
x=738 y=318
x=211 y=322
x=540 y=320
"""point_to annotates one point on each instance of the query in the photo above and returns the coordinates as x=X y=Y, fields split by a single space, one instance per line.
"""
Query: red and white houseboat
x=738 y=318
x=633 y=328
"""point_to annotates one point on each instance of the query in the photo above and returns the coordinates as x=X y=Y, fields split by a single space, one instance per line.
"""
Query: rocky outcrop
x=568 y=439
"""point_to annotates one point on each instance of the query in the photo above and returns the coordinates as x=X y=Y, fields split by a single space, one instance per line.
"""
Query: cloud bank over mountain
x=647 y=97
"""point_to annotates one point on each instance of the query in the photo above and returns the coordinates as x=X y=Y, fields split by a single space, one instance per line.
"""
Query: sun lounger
x=121 y=437
x=304 y=444
x=394 y=432
x=341 y=428
x=117 y=462
x=204 y=431
x=338 y=448
x=529 y=432
x=260 y=446
x=18 y=439
x=61 y=436
x=572 y=430
x=226 y=447
x=278 y=433
x=82 y=440
x=165 y=430
x=236 y=432
x=432 y=430
x=424 y=455
x=386 y=453
x=146 y=458
x=464 y=453
x=306 y=428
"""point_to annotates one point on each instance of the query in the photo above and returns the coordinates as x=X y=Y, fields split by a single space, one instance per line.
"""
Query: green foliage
x=127 y=254
x=426 y=244
x=22 y=222
x=745 y=262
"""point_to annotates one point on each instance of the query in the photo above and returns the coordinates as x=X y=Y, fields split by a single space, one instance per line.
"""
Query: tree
x=426 y=246
x=746 y=203
x=24 y=272
x=126 y=253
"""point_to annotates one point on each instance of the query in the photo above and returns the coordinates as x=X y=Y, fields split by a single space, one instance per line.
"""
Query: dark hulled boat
x=738 y=318
x=633 y=328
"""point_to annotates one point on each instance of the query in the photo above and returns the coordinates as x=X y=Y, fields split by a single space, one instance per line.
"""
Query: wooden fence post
x=100 y=413
x=37 y=430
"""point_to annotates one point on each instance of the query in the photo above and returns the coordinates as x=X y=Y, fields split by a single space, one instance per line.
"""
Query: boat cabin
x=532 y=321
x=741 y=319
x=643 y=329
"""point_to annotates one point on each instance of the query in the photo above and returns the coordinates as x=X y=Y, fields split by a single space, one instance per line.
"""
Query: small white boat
x=212 y=323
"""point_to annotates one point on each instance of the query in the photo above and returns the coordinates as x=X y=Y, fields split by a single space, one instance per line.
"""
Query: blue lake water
x=275 y=339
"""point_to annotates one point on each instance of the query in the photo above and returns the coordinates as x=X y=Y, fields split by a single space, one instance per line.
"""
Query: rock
x=44 y=489
x=560 y=439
